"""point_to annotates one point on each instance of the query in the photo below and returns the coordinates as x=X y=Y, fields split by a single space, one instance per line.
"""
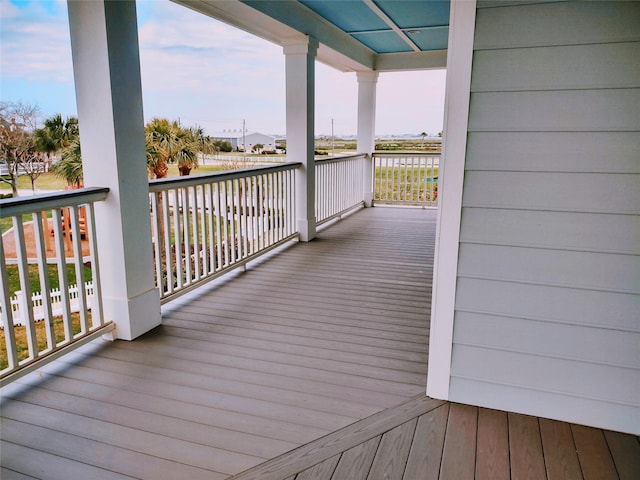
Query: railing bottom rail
x=341 y=213
x=46 y=358
x=238 y=264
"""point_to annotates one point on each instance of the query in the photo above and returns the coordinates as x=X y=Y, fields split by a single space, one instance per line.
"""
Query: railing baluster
x=43 y=272
x=62 y=272
x=166 y=241
x=157 y=240
x=186 y=234
x=7 y=315
x=224 y=216
x=209 y=213
x=195 y=234
x=25 y=286
x=218 y=221
x=76 y=238
x=177 y=236
x=97 y=315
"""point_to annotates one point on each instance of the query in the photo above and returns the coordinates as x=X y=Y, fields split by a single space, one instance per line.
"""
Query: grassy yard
x=41 y=336
x=34 y=277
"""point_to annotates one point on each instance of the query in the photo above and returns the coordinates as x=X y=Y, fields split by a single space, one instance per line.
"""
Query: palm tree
x=423 y=134
x=160 y=144
x=168 y=143
x=70 y=166
x=190 y=141
x=57 y=134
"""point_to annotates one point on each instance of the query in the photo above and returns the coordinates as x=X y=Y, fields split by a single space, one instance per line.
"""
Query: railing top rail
x=340 y=158
x=158 y=185
x=46 y=201
x=406 y=154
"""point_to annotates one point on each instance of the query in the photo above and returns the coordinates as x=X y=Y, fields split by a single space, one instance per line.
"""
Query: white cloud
x=35 y=44
x=196 y=67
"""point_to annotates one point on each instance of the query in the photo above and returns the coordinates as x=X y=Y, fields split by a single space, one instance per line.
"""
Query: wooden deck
x=311 y=364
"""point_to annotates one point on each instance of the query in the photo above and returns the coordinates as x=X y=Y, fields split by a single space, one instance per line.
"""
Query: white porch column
x=106 y=67
x=300 y=79
x=367 y=82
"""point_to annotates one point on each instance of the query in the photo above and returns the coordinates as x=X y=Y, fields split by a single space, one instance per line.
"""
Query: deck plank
x=525 y=447
x=179 y=406
x=34 y=463
x=355 y=463
x=593 y=452
x=625 y=451
x=322 y=471
x=8 y=474
x=492 y=446
x=459 y=454
x=426 y=451
x=561 y=459
x=393 y=451
x=343 y=382
x=74 y=452
x=204 y=457
x=222 y=438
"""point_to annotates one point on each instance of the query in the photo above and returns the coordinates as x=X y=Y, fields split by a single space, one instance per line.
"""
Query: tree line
x=27 y=150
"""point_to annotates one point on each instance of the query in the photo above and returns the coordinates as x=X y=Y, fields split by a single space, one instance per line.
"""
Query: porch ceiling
x=354 y=35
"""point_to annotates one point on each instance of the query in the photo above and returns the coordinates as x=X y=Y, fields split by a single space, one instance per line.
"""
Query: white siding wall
x=547 y=315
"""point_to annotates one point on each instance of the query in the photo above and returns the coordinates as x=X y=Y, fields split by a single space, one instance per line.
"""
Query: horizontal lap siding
x=548 y=295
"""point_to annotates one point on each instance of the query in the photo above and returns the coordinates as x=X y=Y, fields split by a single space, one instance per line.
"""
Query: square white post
x=106 y=67
x=367 y=83
x=300 y=84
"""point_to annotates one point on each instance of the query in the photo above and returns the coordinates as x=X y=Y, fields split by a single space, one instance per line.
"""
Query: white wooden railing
x=47 y=232
x=339 y=186
x=205 y=225
x=406 y=178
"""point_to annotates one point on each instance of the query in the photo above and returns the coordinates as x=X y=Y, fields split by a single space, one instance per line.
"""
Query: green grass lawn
x=13 y=277
x=46 y=181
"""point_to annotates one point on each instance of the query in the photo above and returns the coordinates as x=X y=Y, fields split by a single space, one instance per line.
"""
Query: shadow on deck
x=311 y=365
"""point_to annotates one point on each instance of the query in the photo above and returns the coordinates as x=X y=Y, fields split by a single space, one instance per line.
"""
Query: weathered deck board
x=492 y=449
x=527 y=461
x=393 y=451
x=561 y=459
x=625 y=451
x=428 y=441
x=459 y=454
x=594 y=454
x=356 y=462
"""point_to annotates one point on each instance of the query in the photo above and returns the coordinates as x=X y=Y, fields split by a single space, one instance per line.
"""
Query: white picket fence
x=38 y=300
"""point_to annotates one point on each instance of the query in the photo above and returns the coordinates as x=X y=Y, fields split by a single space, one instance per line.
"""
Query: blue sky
x=208 y=74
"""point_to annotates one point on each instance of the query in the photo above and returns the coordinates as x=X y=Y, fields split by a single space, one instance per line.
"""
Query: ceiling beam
x=386 y=19
x=394 y=62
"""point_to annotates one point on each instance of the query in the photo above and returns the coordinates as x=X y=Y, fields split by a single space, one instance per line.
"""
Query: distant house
x=239 y=141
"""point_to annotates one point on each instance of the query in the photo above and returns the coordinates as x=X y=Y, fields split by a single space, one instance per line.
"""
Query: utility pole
x=244 y=141
x=332 y=137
